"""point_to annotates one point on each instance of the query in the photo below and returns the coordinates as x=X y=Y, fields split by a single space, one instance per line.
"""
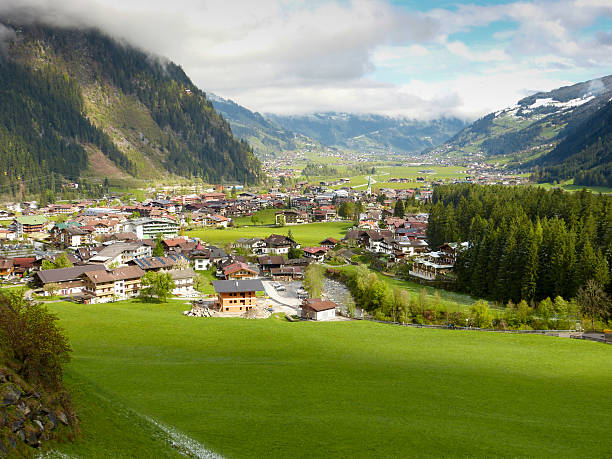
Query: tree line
x=525 y=243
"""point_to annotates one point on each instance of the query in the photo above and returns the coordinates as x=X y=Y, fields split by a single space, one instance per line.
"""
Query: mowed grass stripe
x=249 y=388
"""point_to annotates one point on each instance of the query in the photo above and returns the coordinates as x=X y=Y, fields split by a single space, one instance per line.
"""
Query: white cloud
x=302 y=56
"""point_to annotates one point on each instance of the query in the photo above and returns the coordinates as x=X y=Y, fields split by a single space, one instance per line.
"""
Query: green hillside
x=264 y=136
x=585 y=154
x=82 y=104
x=260 y=388
x=532 y=127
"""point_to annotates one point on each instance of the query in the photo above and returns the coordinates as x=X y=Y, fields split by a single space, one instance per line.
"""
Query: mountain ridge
x=97 y=97
x=533 y=126
x=371 y=132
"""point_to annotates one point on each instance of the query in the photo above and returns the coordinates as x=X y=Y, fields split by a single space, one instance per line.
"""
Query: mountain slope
x=585 y=154
x=263 y=135
x=88 y=105
x=532 y=127
x=371 y=132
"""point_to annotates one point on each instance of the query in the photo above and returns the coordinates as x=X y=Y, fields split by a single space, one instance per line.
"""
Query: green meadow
x=143 y=374
x=453 y=301
x=307 y=235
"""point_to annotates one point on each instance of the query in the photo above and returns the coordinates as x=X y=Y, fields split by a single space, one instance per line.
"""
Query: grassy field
x=260 y=388
x=568 y=185
x=209 y=275
x=453 y=301
x=264 y=216
x=307 y=235
x=384 y=173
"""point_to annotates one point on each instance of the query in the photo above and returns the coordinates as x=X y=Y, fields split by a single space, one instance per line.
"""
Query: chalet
x=254 y=244
x=201 y=259
x=448 y=252
x=409 y=247
x=316 y=253
x=277 y=244
x=117 y=284
x=330 y=243
x=183 y=281
x=72 y=236
x=7 y=234
x=269 y=262
x=218 y=221
x=237 y=295
x=378 y=241
x=292 y=217
x=7 y=268
x=23 y=265
x=324 y=214
x=287 y=273
x=318 y=309
x=239 y=270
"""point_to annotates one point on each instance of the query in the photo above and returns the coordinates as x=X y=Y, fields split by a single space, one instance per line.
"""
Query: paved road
x=286 y=298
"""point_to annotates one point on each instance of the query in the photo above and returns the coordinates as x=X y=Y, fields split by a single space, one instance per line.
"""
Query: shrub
x=32 y=340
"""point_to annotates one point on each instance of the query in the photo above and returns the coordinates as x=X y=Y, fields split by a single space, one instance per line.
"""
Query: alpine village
x=182 y=276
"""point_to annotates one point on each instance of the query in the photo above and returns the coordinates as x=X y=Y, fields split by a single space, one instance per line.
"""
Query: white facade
x=201 y=264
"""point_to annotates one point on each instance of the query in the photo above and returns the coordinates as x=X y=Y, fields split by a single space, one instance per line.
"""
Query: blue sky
x=419 y=59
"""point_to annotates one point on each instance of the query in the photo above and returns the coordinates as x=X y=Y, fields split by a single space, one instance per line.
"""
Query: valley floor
x=260 y=388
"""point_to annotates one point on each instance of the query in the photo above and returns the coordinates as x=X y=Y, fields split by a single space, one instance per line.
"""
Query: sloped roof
x=318 y=305
x=242 y=285
x=237 y=266
x=66 y=274
x=125 y=273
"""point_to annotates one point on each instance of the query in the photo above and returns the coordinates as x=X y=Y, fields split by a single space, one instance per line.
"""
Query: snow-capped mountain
x=532 y=127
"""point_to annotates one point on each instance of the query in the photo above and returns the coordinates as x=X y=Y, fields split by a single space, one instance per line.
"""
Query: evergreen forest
x=525 y=243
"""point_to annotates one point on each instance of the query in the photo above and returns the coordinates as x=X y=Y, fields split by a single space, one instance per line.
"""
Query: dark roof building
x=242 y=285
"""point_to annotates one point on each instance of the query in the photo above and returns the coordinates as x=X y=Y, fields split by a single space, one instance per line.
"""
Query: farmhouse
x=318 y=309
x=237 y=295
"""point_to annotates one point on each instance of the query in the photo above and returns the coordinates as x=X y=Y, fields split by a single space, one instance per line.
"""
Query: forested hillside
x=524 y=242
x=78 y=103
x=585 y=154
x=263 y=135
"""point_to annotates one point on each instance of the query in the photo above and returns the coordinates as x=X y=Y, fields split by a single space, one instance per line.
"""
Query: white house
x=183 y=280
x=317 y=309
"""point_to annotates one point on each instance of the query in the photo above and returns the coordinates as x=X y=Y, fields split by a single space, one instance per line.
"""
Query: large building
x=118 y=284
x=149 y=228
x=237 y=295
x=28 y=224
